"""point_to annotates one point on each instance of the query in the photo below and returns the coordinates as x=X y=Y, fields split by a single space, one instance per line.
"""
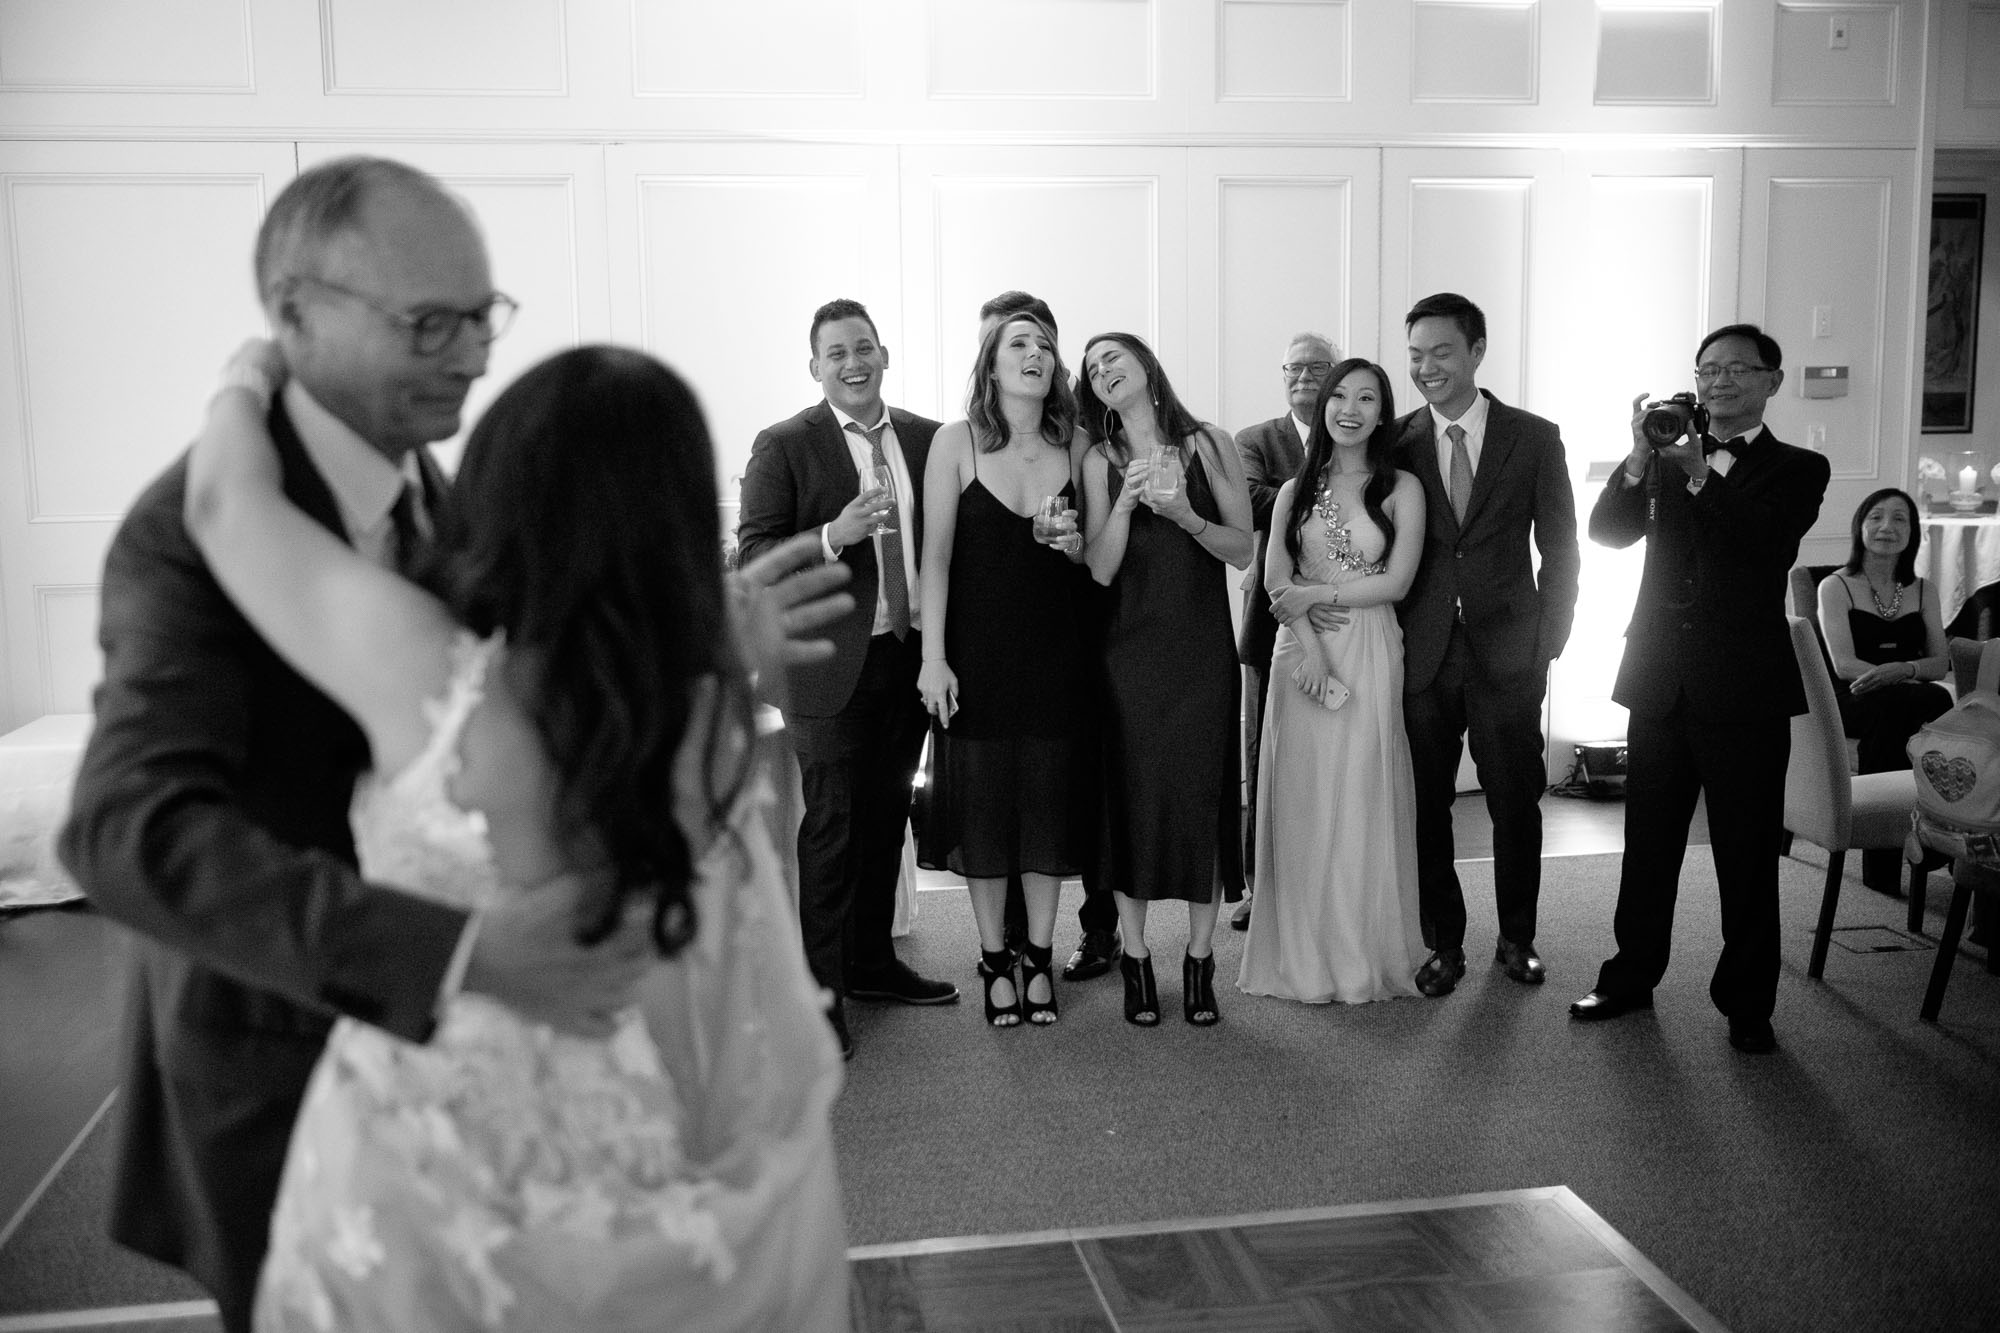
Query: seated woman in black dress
x=1885 y=636
x=1003 y=671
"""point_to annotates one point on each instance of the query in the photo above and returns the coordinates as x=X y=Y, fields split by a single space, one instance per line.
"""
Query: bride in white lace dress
x=570 y=702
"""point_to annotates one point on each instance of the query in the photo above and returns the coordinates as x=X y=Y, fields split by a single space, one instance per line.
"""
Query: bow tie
x=1737 y=446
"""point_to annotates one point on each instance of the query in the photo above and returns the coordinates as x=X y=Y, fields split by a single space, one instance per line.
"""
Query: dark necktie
x=1461 y=470
x=895 y=581
x=409 y=542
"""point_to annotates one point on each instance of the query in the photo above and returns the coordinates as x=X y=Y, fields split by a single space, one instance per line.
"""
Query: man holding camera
x=1708 y=674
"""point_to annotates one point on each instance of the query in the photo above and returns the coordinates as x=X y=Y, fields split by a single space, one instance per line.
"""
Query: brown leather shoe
x=1521 y=962
x=1441 y=972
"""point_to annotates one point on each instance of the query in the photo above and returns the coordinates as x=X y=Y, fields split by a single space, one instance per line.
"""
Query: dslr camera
x=1667 y=420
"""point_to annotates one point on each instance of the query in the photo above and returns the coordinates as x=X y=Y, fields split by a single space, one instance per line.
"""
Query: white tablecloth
x=37 y=768
x=1960 y=556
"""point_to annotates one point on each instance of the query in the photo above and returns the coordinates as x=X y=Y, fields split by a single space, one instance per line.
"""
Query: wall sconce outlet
x=1836 y=32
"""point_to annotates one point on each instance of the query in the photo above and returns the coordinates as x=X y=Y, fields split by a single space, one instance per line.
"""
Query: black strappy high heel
x=1038 y=961
x=1198 y=991
x=1142 y=998
x=995 y=966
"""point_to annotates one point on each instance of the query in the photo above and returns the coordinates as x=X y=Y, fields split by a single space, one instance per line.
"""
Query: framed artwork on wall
x=1951 y=316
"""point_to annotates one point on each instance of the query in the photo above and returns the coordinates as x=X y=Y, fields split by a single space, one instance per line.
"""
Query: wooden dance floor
x=1537 y=1261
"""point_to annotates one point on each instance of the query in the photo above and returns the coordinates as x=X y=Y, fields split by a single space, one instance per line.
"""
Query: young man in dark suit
x=855 y=720
x=1709 y=675
x=210 y=813
x=1273 y=452
x=1480 y=626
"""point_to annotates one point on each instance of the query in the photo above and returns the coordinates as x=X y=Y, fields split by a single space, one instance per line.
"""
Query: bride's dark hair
x=1380 y=455
x=584 y=524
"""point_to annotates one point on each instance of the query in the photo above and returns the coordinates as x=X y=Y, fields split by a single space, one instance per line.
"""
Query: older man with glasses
x=1273 y=451
x=210 y=813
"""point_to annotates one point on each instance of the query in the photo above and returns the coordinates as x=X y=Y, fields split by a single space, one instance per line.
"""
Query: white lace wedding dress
x=677 y=1176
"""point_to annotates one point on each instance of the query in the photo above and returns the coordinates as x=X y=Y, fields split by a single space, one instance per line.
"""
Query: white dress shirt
x=864 y=458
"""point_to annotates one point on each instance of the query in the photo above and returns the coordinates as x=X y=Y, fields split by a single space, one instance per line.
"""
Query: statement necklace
x=1895 y=600
x=1340 y=548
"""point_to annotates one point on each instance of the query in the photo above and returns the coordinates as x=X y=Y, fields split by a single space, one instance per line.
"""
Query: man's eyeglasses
x=433 y=330
x=1317 y=369
x=1736 y=370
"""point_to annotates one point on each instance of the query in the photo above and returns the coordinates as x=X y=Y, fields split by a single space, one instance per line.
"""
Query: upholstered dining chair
x=1825 y=803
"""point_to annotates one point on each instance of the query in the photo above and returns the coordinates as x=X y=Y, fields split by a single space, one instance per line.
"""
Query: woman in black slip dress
x=1004 y=672
x=1885 y=638
x=1166 y=508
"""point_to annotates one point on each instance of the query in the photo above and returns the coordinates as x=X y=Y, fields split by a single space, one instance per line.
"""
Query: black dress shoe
x=1521 y=962
x=1752 y=1036
x=1441 y=971
x=897 y=982
x=837 y=1020
x=1600 y=1004
x=1093 y=957
x=1240 y=918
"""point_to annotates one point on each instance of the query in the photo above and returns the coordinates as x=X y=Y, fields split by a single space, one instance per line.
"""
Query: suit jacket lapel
x=1493 y=452
x=1420 y=450
x=303 y=484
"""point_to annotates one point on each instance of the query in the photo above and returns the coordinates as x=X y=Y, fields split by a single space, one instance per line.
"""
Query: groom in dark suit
x=1709 y=675
x=210 y=813
x=855 y=720
x=1273 y=451
x=1480 y=626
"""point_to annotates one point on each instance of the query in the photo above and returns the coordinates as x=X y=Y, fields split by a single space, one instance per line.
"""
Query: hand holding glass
x=1163 y=481
x=1050 y=525
x=883 y=480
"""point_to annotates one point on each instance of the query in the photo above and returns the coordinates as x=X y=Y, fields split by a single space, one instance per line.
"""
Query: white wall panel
x=720 y=258
x=142 y=278
x=1808 y=72
x=1096 y=234
x=1472 y=236
x=1284 y=262
x=66 y=625
x=1982 y=56
x=747 y=48
x=1042 y=48
x=1661 y=56
x=1475 y=52
x=515 y=47
x=126 y=45
x=1283 y=50
x=124 y=282
x=1837 y=228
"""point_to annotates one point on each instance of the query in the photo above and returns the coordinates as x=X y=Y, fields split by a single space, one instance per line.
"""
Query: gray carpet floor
x=1850 y=1181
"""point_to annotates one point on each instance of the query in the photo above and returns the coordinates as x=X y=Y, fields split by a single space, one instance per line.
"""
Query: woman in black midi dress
x=1003 y=673
x=1171 y=814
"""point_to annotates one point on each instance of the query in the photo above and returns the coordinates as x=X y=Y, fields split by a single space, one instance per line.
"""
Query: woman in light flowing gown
x=1336 y=858
x=569 y=699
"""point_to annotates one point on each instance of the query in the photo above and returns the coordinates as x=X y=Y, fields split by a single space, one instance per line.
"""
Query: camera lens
x=1664 y=425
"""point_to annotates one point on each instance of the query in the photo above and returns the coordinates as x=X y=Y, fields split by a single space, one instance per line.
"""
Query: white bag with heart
x=1956 y=760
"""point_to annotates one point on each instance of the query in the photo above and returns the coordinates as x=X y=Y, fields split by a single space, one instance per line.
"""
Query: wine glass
x=880 y=478
x=1049 y=525
x=1164 y=481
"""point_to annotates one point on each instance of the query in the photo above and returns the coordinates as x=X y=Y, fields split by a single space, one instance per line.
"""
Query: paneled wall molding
x=604 y=136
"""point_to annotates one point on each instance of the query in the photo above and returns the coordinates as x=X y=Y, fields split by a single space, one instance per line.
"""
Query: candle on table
x=1968 y=479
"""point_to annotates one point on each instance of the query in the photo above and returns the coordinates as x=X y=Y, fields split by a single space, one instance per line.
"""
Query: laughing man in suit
x=1480 y=627
x=1710 y=677
x=856 y=722
x=210 y=813
x=1273 y=451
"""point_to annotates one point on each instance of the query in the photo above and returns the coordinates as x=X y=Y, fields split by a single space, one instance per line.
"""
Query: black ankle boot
x=1198 y=991
x=1142 y=998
